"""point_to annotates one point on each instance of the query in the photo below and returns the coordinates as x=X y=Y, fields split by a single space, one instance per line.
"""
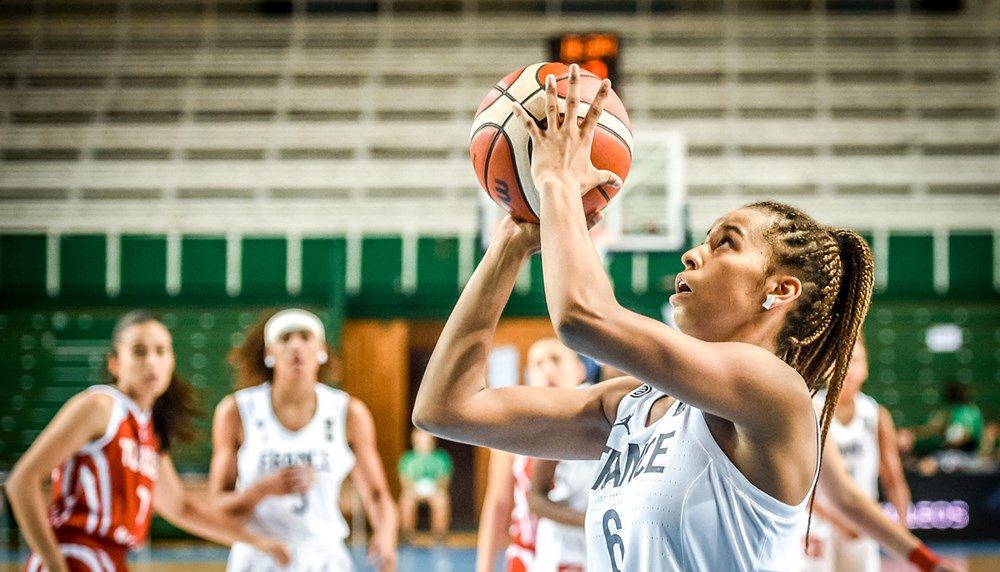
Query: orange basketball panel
x=479 y=150
x=503 y=184
x=610 y=153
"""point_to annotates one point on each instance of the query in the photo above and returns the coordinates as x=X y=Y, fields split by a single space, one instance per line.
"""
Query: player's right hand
x=948 y=566
x=276 y=549
x=288 y=481
x=526 y=236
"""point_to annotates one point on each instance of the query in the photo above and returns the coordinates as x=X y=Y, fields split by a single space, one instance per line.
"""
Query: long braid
x=837 y=272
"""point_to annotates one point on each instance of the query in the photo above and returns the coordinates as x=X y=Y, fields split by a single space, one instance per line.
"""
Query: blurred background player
x=865 y=436
x=559 y=489
x=425 y=477
x=283 y=445
x=108 y=449
x=507 y=518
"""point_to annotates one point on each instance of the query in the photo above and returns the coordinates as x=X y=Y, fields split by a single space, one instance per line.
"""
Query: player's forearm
x=867 y=516
x=457 y=368
x=542 y=507
x=899 y=497
x=384 y=519
x=27 y=500
x=193 y=519
x=576 y=285
x=238 y=504
x=492 y=538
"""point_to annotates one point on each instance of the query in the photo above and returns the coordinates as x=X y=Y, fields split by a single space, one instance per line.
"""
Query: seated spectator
x=949 y=441
x=425 y=475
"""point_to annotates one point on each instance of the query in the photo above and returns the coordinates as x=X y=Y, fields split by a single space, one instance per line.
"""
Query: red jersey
x=104 y=492
x=523 y=523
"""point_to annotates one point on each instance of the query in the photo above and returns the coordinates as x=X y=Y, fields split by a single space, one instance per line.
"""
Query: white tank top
x=559 y=546
x=313 y=518
x=858 y=442
x=667 y=498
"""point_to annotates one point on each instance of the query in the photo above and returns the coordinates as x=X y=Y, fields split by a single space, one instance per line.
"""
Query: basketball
x=500 y=146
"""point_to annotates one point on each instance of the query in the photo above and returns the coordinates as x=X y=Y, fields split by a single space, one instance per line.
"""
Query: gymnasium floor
x=197 y=557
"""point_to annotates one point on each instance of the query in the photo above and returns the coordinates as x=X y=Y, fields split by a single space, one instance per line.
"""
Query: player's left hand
x=382 y=554
x=561 y=152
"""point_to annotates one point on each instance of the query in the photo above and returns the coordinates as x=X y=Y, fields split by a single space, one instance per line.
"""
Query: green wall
x=54 y=344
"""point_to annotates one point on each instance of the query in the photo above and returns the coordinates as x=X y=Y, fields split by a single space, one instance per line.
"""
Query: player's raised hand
x=525 y=237
x=561 y=151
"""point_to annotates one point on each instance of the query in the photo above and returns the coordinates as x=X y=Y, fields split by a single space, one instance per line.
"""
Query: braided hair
x=837 y=272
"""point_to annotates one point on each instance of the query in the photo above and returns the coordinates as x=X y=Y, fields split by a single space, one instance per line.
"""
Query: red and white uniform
x=523 y=524
x=102 y=496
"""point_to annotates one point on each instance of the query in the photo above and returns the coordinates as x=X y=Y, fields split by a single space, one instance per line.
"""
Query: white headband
x=293 y=320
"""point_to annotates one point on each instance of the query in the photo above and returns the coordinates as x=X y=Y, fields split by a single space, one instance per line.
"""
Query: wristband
x=924 y=558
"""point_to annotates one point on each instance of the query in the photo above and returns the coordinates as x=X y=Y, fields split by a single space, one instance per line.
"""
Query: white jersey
x=857 y=441
x=668 y=498
x=310 y=522
x=559 y=546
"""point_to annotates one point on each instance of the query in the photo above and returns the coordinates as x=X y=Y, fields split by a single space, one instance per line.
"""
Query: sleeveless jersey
x=312 y=518
x=666 y=497
x=104 y=491
x=559 y=547
x=858 y=442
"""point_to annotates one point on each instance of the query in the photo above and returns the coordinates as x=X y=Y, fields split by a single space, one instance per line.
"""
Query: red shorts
x=85 y=554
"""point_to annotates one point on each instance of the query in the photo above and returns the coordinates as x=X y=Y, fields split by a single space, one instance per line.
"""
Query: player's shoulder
x=93 y=402
x=90 y=410
x=868 y=401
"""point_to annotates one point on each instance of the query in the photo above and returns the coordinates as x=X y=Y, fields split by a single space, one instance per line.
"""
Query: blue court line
x=430 y=559
x=437 y=559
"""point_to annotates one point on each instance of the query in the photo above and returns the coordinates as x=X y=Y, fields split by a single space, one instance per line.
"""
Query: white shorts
x=559 y=547
x=332 y=558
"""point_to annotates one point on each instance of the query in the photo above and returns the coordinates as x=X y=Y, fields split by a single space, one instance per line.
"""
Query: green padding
x=537 y=279
x=437 y=265
x=22 y=265
x=663 y=267
x=619 y=266
x=911 y=264
x=323 y=261
x=203 y=265
x=144 y=265
x=82 y=265
x=970 y=262
x=264 y=266
x=381 y=264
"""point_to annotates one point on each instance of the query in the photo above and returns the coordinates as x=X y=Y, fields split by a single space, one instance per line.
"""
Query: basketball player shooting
x=710 y=447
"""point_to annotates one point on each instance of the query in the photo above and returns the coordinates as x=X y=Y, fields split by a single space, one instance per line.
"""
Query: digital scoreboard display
x=595 y=52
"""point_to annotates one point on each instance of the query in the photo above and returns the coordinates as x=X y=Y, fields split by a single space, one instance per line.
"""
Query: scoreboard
x=596 y=52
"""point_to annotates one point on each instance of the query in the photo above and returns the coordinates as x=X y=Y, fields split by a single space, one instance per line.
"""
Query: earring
x=322 y=357
x=768 y=302
x=269 y=362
